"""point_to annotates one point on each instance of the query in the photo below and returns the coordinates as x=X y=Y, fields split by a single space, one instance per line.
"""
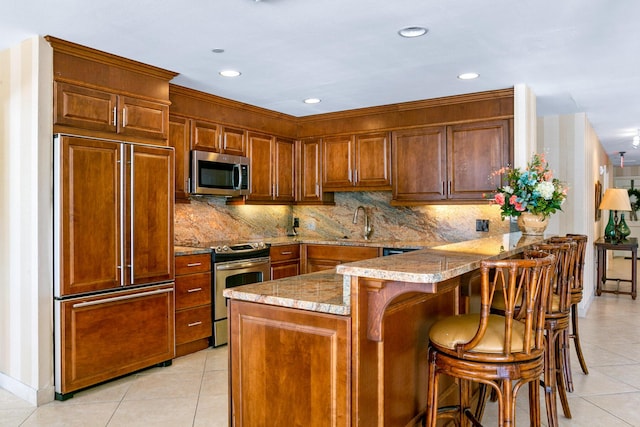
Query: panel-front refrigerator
x=113 y=260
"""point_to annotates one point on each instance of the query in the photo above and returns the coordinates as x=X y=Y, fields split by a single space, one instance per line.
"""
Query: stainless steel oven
x=235 y=265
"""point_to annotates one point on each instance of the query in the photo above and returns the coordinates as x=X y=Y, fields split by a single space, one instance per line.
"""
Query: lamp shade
x=616 y=199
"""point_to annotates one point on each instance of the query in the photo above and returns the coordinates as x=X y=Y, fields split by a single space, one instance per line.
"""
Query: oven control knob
x=261 y=245
x=225 y=248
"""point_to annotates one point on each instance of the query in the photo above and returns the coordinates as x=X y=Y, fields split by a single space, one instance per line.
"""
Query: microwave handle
x=237 y=171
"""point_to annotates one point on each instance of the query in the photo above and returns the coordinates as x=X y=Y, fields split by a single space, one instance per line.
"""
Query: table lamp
x=614 y=200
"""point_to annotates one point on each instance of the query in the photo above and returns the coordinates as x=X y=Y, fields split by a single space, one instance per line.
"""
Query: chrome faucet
x=368 y=227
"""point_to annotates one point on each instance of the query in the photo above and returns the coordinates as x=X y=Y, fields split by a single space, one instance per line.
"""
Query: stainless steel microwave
x=219 y=174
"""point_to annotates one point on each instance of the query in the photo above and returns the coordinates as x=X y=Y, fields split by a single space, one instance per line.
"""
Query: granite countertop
x=321 y=292
x=439 y=263
x=329 y=291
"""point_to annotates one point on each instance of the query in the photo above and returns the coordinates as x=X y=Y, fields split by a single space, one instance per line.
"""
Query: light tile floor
x=193 y=390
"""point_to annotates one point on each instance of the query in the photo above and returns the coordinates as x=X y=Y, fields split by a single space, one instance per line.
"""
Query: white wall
x=26 y=344
x=574 y=153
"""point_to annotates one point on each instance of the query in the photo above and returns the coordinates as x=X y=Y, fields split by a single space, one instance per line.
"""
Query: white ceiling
x=576 y=55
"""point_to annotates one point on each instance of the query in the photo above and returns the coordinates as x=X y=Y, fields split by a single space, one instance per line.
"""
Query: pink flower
x=512 y=200
x=519 y=207
x=499 y=199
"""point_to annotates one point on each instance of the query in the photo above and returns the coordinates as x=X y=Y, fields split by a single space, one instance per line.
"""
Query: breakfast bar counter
x=348 y=347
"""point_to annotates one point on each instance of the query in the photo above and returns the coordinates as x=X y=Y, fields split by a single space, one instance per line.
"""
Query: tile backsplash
x=208 y=219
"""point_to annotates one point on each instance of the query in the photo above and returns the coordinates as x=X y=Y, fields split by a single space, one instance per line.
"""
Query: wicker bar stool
x=502 y=352
x=576 y=297
x=556 y=324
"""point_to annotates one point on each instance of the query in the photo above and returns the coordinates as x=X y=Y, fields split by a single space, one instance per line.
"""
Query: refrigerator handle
x=131 y=213
x=123 y=160
x=121 y=298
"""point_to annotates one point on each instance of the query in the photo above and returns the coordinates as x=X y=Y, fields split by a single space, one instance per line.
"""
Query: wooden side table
x=631 y=244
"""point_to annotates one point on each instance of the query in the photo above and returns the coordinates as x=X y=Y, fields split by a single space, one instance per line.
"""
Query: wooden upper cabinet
x=139 y=117
x=100 y=110
x=260 y=167
x=84 y=107
x=209 y=136
x=309 y=182
x=233 y=141
x=356 y=162
x=373 y=161
x=337 y=172
x=474 y=151
x=205 y=136
x=284 y=170
x=180 y=141
x=419 y=164
x=272 y=168
x=449 y=162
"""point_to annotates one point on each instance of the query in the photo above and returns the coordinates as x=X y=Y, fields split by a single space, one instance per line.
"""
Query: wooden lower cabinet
x=325 y=257
x=193 y=303
x=292 y=367
x=288 y=367
x=285 y=261
x=105 y=336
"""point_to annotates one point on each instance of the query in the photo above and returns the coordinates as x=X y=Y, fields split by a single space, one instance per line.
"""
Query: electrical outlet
x=296 y=222
x=482 y=225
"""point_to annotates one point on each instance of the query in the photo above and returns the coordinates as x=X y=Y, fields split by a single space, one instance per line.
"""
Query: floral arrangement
x=533 y=189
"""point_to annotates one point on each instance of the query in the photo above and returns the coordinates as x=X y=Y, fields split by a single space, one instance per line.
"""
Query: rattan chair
x=557 y=318
x=502 y=352
x=576 y=297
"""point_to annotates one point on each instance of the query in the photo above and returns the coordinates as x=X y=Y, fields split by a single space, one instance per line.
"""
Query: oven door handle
x=241 y=264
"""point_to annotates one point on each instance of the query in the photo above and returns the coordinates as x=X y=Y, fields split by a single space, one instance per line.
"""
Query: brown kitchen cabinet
x=357 y=162
x=89 y=108
x=180 y=141
x=103 y=337
x=193 y=303
x=285 y=261
x=209 y=136
x=309 y=352
x=324 y=257
x=309 y=179
x=272 y=168
x=92 y=233
x=114 y=243
x=449 y=163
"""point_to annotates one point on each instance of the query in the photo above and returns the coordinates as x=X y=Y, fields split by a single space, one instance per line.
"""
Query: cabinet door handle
x=444 y=189
x=449 y=187
x=194 y=324
x=115 y=116
x=194 y=290
x=355 y=175
x=286 y=253
x=121 y=298
x=194 y=264
x=124 y=117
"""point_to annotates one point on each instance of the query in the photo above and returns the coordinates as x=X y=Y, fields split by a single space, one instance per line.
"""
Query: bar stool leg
x=576 y=338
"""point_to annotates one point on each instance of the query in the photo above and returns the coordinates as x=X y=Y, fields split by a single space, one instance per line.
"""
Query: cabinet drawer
x=193 y=324
x=189 y=264
x=283 y=253
x=193 y=290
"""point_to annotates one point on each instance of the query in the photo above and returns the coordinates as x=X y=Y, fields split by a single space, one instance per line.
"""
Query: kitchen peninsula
x=347 y=347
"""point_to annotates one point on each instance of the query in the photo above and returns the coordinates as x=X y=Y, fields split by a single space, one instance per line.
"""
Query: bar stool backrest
x=564 y=249
x=581 y=240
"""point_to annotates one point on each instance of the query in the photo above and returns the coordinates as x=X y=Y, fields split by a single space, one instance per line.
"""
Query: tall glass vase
x=623 y=228
x=610 y=229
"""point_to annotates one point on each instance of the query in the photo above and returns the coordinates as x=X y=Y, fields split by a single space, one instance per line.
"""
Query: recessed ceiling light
x=312 y=101
x=229 y=73
x=410 y=32
x=468 y=76
x=217 y=50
